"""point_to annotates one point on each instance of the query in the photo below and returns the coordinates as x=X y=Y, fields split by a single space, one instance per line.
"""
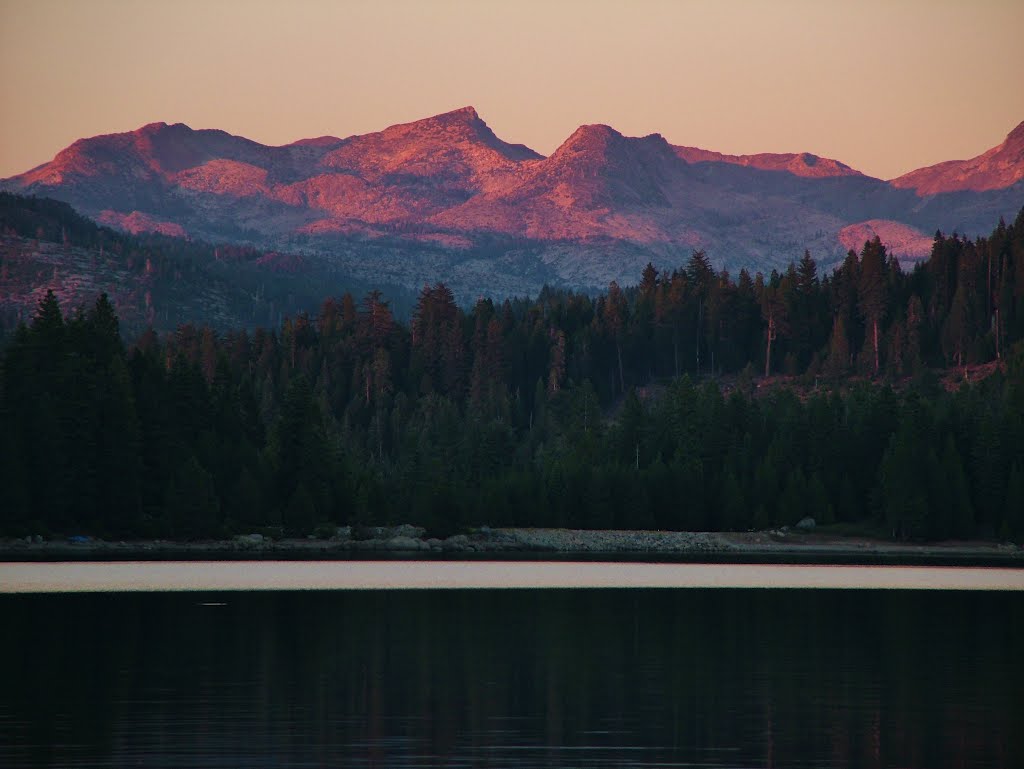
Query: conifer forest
x=878 y=395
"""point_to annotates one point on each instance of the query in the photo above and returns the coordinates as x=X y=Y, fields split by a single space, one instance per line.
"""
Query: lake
x=514 y=677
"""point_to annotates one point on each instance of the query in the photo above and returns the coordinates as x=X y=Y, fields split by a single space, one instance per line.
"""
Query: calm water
x=513 y=678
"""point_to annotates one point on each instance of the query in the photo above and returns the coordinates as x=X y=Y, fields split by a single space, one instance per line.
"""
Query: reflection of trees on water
x=514 y=678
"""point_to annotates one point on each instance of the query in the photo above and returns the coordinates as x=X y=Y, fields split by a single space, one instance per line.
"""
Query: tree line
x=638 y=408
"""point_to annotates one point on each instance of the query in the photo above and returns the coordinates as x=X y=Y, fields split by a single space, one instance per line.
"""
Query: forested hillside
x=644 y=407
x=155 y=280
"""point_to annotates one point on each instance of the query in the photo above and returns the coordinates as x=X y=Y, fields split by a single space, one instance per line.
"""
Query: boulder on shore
x=805 y=524
x=456 y=542
x=403 y=543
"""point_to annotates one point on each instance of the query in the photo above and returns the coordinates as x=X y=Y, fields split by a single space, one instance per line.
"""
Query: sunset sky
x=884 y=86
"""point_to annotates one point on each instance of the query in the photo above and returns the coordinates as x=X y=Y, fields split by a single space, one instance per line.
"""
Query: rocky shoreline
x=411 y=541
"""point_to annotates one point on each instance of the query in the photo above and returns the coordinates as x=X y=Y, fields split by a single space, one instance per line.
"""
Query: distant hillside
x=153 y=279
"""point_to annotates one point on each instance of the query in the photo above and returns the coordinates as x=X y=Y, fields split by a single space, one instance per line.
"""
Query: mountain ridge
x=505 y=216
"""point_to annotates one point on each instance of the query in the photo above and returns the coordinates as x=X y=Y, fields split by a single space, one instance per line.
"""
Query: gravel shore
x=410 y=541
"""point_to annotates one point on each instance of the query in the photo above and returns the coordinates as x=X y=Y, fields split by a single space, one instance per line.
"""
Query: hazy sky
x=885 y=86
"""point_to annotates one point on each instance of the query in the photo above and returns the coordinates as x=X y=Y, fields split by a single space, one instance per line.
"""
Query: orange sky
x=885 y=86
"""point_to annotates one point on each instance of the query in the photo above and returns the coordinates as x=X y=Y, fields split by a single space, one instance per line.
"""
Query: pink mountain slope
x=154 y=151
x=409 y=172
x=900 y=239
x=598 y=183
x=999 y=168
x=598 y=208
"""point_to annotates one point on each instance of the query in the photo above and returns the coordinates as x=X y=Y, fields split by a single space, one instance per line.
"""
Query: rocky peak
x=462 y=123
x=599 y=142
x=589 y=138
x=452 y=144
x=466 y=114
x=1015 y=139
x=467 y=125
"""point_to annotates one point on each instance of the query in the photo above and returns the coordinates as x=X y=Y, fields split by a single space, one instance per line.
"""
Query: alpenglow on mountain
x=445 y=199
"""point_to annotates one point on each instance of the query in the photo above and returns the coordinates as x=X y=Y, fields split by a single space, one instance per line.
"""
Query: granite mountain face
x=445 y=199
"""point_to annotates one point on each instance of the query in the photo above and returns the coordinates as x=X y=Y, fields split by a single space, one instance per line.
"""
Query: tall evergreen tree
x=871 y=291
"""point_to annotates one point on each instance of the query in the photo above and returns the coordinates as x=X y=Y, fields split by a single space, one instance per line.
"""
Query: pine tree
x=1013 y=518
x=300 y=513
x=766 y=485
x=956 y=329
x=615 y=319
x=940 y=500
x=556 y=366
x=700 y=277
x=118 y=452
x=245 y=502
x=987 y=471
x=648 y=282
x=913 y=360
x=734 y=506
x=299 y=453
x=962 y=513
x=838 y=362
x=818 y=505
x=871 y=291
x=805 y=313
x=104 y=331
x=793 y=502
x=904 y=506
x=48 y=323
x=773 y=311
x=17 y=509
x=191 y=505
x=632 y=426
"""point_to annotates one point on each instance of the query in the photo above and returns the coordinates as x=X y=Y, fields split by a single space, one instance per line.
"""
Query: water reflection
x=513 y=679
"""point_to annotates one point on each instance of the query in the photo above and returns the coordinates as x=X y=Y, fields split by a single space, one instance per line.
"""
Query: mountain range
x=445 y=199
